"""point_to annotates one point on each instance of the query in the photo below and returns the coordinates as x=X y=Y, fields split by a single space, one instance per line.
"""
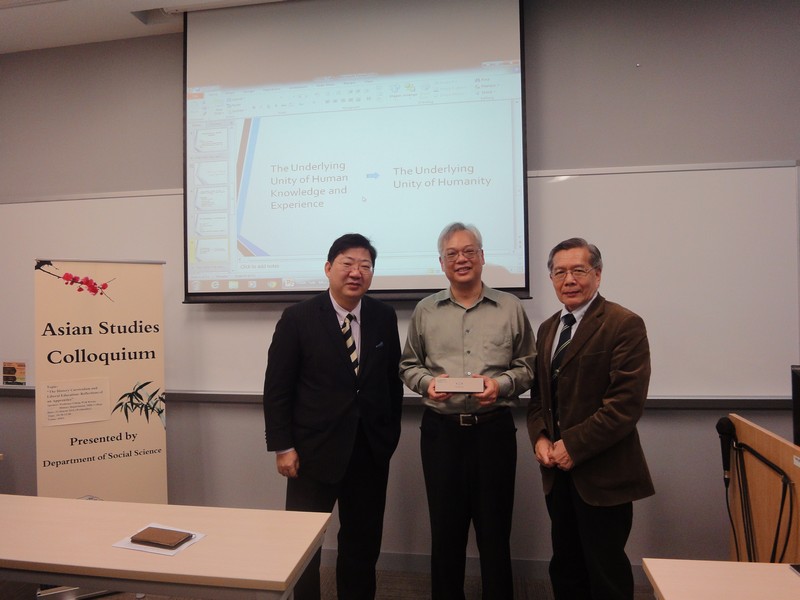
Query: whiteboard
x=707 y=257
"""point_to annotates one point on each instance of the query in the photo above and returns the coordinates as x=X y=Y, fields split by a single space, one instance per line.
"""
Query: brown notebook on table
x=161 y=538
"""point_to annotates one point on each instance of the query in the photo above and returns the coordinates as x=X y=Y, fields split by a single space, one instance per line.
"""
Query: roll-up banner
x=99 y=352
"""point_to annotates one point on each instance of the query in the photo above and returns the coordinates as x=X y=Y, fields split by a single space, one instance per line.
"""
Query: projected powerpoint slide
x=309 y=177
x=275 y=174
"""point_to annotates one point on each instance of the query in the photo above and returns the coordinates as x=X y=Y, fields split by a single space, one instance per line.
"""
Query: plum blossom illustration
x=84 y=284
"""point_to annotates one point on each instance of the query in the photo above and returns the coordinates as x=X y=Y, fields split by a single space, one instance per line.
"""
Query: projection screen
x=309 y=119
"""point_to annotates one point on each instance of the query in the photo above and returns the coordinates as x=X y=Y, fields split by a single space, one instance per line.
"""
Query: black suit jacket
x=313 y=401
x=602 y=387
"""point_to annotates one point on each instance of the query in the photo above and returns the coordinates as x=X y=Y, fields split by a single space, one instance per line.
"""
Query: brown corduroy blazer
x=602 y=388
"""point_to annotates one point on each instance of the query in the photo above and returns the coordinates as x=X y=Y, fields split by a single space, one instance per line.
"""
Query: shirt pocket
x=497 y=349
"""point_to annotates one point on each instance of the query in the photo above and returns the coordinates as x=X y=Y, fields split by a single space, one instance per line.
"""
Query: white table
x=727 y=580
x=246 y=554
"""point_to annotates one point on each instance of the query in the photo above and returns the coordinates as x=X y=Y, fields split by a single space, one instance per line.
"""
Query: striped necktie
x=347 y=332
x=563 y=341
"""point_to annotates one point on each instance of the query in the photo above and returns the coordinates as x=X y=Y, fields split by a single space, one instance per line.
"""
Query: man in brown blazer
x=591 y=386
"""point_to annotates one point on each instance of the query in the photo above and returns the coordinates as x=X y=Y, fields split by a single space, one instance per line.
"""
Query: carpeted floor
x=392 y=585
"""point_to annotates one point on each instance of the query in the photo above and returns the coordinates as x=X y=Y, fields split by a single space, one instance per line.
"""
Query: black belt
x=470 y=419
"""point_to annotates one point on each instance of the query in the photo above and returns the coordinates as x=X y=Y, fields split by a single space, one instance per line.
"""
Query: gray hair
x=454 y=228
x=595 y=259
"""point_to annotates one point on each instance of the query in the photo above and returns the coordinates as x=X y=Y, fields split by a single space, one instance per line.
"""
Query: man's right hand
x=437 y=396
x=288 y=463
x=543 y=449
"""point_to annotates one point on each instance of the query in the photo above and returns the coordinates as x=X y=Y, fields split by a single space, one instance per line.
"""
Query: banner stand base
x=69 y=593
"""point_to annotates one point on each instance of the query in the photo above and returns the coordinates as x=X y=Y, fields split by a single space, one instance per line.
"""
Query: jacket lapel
x=547 y=356
x=547 y=342
x=369 y=337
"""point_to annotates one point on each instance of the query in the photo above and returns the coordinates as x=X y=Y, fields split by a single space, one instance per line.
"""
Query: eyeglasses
x=577 y=273
x=365 y=268
x=469 y=253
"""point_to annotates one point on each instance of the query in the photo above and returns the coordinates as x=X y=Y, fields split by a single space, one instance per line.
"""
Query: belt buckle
x=467 y=419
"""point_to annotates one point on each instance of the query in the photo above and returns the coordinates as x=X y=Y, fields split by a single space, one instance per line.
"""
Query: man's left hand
x=490 y=391
x=561 y=457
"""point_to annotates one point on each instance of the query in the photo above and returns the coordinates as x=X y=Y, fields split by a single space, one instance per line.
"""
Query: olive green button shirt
x=492 y=338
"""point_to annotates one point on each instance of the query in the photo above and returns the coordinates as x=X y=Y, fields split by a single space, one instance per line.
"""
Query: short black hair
x=348 y=241
x=595 y=258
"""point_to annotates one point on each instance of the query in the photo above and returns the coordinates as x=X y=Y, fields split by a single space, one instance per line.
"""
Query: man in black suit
x=332 y=411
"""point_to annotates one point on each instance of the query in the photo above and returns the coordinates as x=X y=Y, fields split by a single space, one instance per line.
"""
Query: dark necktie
x=563 y=342
x=350 y=343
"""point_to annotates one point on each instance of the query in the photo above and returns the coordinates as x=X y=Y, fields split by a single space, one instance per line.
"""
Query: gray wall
x=716 y=82
x=93 y=119
x=651 y=82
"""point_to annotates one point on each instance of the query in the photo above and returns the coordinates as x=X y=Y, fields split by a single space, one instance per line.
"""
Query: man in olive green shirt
x=468 y=441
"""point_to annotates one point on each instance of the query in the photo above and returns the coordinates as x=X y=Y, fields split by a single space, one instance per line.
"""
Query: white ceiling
x=35 y=24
